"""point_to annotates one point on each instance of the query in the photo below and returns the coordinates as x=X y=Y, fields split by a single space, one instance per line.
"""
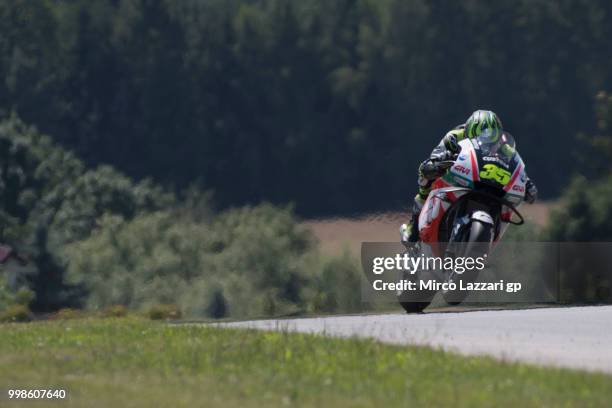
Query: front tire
x=416 y=301
x=414 y=307
x=479 y=235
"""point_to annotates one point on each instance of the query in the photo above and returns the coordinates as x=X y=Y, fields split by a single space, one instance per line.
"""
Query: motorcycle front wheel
x=479 y=234
x=414 y=301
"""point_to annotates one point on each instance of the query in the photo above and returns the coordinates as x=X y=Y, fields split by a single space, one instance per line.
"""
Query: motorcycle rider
x=448 y=149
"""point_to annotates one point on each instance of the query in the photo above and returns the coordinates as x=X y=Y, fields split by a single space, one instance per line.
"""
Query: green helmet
x=483 y=120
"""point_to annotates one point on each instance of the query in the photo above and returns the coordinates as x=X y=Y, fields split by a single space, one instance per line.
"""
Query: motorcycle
x=471 y=205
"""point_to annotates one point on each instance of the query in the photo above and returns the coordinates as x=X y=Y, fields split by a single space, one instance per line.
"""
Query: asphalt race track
x=576 y=337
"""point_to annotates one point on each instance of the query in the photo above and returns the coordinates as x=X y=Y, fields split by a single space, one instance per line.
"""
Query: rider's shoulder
x=458 y=132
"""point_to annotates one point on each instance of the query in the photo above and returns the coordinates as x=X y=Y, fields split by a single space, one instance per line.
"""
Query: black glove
x=451 y=144
x=432 y=169
x=441 y=154
x=531 y=192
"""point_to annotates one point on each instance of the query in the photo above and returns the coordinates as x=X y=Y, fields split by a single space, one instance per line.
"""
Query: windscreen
x=499 y=144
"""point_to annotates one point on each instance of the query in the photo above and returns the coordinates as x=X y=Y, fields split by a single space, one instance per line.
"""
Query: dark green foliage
x=330 y=104
x=16 y=314
x=11 y=296
x=596 y=155
x=602 y=141
x=244 y=262
x=48 y=199
x=339 y=286
x=164 y=312
x=96 y=239
x=586 y=216
x=586 y=213
x=217 y=308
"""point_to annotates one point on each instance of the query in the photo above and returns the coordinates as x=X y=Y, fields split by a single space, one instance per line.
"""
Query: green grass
x=136 y=363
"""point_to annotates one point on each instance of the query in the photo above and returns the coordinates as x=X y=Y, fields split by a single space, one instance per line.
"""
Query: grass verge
x=137 y=363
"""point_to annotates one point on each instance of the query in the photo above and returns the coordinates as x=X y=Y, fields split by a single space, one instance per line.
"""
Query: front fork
x=457 y=232
x=461 y=226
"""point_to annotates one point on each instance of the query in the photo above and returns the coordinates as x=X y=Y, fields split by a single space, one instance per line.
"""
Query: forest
x=329 y=105
x=165 y=152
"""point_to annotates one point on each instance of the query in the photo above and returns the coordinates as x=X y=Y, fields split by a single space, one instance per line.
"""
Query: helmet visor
x=496 y=143
x=488 y=136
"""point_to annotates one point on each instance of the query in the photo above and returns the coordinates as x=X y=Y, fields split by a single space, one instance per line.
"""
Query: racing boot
x=409 y=233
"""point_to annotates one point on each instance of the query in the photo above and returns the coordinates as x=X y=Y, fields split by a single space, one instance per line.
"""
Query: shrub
x=215 y=268
x=50 y=199
x=115 y=311
x=164 y=312
x=339 y=286
x=247 y=262
x=585 y=216
x=217 y=308
x=24 y=296
x=67 y=314
x=16 y=313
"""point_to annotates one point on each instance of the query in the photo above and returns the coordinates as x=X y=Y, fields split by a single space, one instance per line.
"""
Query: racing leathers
x=430 y=170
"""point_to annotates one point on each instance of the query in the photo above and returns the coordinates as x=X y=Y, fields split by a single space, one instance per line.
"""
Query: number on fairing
x=493 y=172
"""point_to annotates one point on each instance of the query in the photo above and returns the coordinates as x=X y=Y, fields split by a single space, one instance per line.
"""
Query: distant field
x=335 y=234
x=138 y=363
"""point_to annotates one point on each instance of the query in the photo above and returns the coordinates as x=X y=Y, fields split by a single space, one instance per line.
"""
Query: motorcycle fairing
x=505 y=174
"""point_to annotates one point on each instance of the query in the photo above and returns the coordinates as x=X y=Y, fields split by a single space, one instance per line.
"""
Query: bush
x=585 y=214
x=98 y=239
x=164 y=312
x=50 y=199
x=211 y=268
x=339 y=286
x=217 y=307
x=67 y=314
x=16 y=313
x=115 y=311
x=23 y=295
x=248 y=262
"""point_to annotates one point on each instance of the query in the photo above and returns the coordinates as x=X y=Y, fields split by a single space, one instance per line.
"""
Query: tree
x=48 y=199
